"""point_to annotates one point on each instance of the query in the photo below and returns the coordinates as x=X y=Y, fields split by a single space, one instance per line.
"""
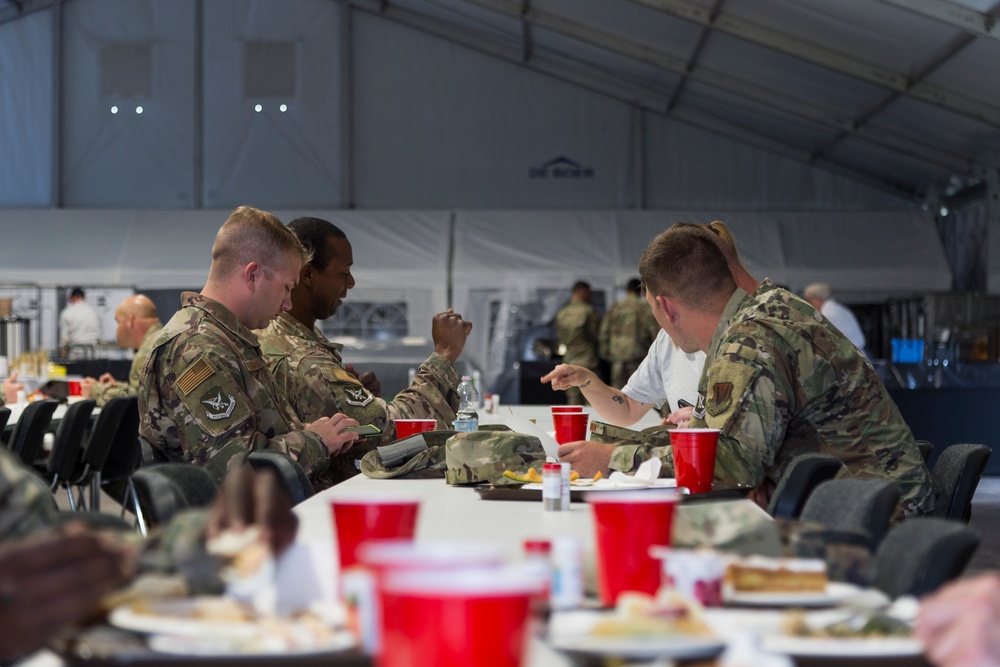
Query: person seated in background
x=626 y=333
x=205 y=394
x=779 y=380
x=666 y=376
x=818 y=296
x=959 y=624
x=577 y=329
x=79 y=327
x=55 y=575
x=138 y=327
x=308 y=368
x=10 y=388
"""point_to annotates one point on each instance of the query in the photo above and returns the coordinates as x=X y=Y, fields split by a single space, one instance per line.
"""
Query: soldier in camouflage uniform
x=627 y=331
x=54 y=577
x=308 y=368
x=577 y=328
x=138 y=327
x=206 y=395
x=779 y=380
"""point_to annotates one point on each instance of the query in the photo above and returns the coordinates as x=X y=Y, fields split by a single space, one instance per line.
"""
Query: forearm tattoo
x=587 y=384
x=618 y=398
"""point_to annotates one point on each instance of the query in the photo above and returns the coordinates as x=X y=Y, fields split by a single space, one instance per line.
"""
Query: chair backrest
x=124 y=454
x=66 y=449
x=26 y=440
x=926 y=449
x=291 y=475
x=920 y=554
x=109 y=420
x=863 y=505
x=954 y=478
x=801 y=477
x=165 y=488
x=4 y=418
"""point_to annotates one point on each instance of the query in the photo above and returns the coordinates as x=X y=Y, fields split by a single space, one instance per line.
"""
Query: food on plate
x=872 y=625
x=145 y=588
x=530 y=477
x=760 y=574
x=639 y=615
x=244 y=550
x=200 y=608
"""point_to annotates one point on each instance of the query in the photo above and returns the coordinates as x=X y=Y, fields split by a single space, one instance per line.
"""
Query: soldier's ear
x=306 y=274
x=668 y=307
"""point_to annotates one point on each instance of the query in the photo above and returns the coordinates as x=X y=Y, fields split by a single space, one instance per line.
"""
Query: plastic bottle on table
x=467 y=419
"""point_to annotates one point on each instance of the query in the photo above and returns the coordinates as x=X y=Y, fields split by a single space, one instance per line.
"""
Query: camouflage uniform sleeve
x=627 y=458
x=26 y=505
x=743 y=399
x=432 y=394
x=103 y=394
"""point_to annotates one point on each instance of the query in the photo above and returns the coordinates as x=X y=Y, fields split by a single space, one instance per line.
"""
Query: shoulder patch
x=341 y=375
x=195 y=374
x=720 y=399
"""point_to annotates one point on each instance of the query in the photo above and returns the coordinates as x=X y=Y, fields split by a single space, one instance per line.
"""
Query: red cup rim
x=504 y=581
x=414 y=421
x=375 y=499
x=695 y=430
x=411 y=554
x=633 y=497
x=566 y=408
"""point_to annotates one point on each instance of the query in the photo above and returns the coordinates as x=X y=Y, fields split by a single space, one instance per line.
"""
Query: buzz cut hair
x=252 y=235
x=313 y=234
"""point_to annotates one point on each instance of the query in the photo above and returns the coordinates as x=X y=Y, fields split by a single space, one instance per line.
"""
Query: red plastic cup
x=407 y=427
x=456 y=618
x=361 y=519
x=75 y=387
x=694 y=457
x=570 y=426
x=566 y=408
x=628 y=523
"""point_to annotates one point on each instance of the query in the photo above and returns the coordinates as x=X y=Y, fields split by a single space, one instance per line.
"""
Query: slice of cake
x=759 y=574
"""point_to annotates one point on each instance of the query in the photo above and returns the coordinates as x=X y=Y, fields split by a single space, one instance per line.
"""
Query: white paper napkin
x=647 y=475
x=523 y=425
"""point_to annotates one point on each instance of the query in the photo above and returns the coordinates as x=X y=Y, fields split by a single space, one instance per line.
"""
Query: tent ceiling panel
x=865 y=30
x=468 y=16
x=782 y=72
x=954 y=133
x=973 y=72
x=863 y=155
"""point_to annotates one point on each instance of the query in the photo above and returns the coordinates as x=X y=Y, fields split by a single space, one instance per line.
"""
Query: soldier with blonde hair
x=206 y=395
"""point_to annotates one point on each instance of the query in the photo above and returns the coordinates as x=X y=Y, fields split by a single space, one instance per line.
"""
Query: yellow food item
x=573 y=476
x=530 y=477
x=777 y=575
x=598 y=475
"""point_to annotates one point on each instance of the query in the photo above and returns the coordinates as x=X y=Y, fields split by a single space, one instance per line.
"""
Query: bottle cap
x=537 y=546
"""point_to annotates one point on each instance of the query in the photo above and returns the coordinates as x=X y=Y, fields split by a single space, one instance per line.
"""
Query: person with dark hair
x=577 y=329
x=309 y=369
x=627 y=331
x=779 y=380
x=79 y=327
x=206 y=395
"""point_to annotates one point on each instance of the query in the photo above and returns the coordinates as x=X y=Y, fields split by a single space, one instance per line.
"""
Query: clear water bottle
x=467 y=419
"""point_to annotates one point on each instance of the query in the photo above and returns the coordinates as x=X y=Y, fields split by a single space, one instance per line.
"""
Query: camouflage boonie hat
x=425 y=465
x=482 y=456
x=654 y=436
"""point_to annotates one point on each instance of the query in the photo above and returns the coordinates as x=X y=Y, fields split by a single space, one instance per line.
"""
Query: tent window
x=126 y=70
x=369 y=321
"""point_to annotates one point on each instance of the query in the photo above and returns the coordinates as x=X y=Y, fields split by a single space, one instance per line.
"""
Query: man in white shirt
x=818 y=296
x=79 y=326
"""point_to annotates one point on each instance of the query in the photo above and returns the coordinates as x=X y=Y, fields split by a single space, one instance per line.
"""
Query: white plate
x=823 y=647
x=177 y=617
x=607 y=485
x=835 y=592
x=569 y=632
x=219 y=646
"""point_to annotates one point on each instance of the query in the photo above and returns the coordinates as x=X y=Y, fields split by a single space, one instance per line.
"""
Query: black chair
x=291 y=475
x=112 y=417
x=858 y=505
x=165 y=488
x=954 y=479
x=4 y=418
x=926 y=449
x=920 y=554
x=26 y=440
x=65 y=460
x=123 y=457
x=801 y=477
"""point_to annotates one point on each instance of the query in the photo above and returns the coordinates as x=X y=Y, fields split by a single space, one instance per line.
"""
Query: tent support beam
x=981 y=24
x=832 y=60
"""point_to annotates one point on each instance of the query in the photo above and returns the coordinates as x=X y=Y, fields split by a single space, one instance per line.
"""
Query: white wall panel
x=127 y=158
x=26 y=111
x=439 y=125
x=271 y=158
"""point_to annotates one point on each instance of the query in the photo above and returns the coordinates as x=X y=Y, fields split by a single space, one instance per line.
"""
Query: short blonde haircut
x=251 y=235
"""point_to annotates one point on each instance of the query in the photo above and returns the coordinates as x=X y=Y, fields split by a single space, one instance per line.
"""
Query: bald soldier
x=138 y=326
x=206 y=395
x=779 y=380
x=309 y=369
